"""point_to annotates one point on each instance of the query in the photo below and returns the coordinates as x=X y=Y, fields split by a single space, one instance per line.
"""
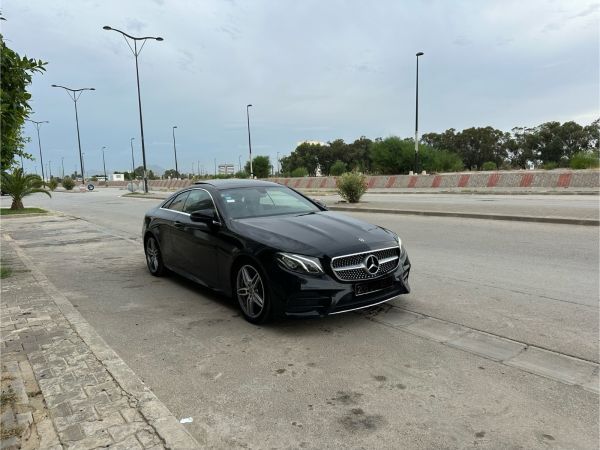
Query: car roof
x=232 y=183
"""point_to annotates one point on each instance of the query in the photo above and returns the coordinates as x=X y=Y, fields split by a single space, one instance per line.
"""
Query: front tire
x=252 y=293
x=154 y=257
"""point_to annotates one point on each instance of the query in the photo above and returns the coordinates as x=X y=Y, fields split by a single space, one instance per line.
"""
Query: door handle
x=179 y=224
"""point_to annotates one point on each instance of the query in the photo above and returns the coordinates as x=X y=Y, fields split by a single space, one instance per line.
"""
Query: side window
x=178 y=202
x=197 y=200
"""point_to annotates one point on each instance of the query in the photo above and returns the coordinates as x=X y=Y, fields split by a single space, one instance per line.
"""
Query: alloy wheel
x=152 y=255
x=250 y=291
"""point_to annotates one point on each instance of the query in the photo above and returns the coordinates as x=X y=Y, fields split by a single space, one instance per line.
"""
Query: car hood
x=315 y=234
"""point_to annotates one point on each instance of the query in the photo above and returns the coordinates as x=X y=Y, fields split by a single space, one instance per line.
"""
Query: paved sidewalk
x=62 y=386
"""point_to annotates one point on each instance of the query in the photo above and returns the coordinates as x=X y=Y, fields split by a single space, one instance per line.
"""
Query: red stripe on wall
x=526 y=180
x=463 y=180
x=564 y=180
x=390 y=182
x=412 y=182
x=323 y=184
x=493 y=179
x=371 y=182
x=297 y=182
x=310 y=182
x=437 y=180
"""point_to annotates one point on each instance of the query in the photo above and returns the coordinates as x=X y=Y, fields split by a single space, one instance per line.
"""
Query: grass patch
x=5 y=272
x=8 y=398
x=12 y=212
x=9 y=432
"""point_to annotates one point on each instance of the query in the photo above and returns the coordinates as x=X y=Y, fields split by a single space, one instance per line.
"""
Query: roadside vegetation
x=5 y=271
x=19 y=185
x=68 y=183
x=13 y=212
x=351 y=186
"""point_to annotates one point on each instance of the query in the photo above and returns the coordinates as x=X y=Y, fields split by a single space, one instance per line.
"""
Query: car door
x=196 y=242
x=170 y=231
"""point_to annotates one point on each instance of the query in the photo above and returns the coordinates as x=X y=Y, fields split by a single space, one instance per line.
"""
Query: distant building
x=117 y=177
x=226 y=169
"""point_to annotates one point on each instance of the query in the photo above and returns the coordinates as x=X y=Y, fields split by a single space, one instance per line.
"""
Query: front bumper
x=305 y=295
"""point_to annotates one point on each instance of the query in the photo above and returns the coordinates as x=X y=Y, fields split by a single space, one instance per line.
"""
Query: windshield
x=264 y=201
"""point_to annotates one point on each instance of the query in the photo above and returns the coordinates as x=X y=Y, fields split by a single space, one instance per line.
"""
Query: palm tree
x=19 y=185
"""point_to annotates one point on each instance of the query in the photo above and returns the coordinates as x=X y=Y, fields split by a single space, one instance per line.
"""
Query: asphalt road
x=569 y=206
x=345 y=381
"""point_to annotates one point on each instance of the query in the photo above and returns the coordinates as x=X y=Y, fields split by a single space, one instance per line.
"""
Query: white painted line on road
x=529 y=358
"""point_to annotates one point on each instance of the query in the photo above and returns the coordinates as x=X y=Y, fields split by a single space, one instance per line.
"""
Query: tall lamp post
x=49 y=170
x=249 y=140
x=175 y=151
x=62 y=163
x=37 y=125
x=74 y=95
x=132 y=161
x=104 y=164
x=136 y=53
x=417 y=117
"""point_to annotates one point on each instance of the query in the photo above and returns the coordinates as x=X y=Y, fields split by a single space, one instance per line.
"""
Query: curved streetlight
x=175 y=150
x=417 y=117
x=249 y=140
x=37 y=125
x=136 y=53
x=74 y=95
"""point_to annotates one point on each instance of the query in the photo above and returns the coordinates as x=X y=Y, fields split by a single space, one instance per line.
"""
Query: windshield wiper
x=306 y=214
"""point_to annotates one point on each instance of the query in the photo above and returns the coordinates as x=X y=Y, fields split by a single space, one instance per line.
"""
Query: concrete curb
x=543 y=362
x=464 y=215
x=165 y=424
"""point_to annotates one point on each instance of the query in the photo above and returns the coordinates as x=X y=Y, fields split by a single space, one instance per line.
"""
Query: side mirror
x=207 y=216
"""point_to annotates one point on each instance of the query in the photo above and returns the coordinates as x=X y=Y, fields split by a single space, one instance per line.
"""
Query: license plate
x=373 y=286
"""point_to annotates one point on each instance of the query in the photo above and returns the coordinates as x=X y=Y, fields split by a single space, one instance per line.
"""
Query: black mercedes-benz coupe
x=274 y=250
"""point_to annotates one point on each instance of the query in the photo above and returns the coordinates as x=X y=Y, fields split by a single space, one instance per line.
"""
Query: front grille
x=352 y=267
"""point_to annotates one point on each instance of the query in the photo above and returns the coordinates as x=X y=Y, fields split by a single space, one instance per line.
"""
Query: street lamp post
x=175 y=151
x=49 y=170
x=62 y=163
x=74 y=95
x=249 y=140
x=136 y=53
x=132 y=160
x=278 y=165
x=37 y=125
x=104 y=164
x=417 y=117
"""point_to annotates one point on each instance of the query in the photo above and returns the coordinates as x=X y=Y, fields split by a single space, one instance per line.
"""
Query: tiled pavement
x=63 y=387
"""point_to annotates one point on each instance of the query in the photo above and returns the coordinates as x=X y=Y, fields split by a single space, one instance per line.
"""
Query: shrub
x=489 y=165
x=299 y=172
x=434 y=160
x=585 y=160
x=351 y=186
x=338 y=168
x=241 y=174
x=550 y=165
x=52 y=184
x=68 y=183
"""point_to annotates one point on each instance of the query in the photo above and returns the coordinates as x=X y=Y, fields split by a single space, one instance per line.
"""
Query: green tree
x=19 y=185
x=392 y=155
x=16 y=76
x=261 y=166
x=170 y=173
x=338 y=168
x=299 y=172
x=434 y=160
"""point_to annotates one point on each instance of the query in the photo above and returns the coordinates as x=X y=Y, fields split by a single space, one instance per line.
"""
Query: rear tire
x=154 y=259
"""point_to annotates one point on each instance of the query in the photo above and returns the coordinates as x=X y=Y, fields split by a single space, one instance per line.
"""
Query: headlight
x=298 y=263
x=399 y=244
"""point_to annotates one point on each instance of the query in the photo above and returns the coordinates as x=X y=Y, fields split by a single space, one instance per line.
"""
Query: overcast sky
x=313 y=69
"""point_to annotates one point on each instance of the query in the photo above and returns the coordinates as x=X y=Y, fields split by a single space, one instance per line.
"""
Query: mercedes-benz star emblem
x=371 y=263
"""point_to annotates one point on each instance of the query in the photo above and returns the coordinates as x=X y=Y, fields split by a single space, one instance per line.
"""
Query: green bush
x=241 y=174
x=585 y=160
x=489 y=165
x=68 y=183
x=338 y=168
x=434 y=160
x=351 y=186
x=52 y=184
x=299 y=172
x=550 y=165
